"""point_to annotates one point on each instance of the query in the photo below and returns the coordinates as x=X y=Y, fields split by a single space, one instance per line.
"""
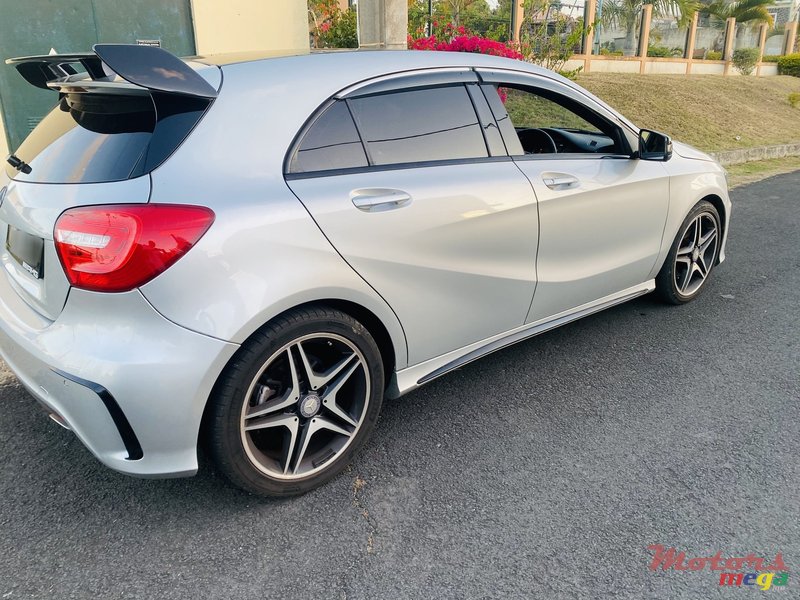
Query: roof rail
x=147 y=67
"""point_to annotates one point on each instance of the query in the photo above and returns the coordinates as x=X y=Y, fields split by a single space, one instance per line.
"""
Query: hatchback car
x=253 y=252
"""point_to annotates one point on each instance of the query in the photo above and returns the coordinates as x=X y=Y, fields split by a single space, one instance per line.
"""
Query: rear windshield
x=94 y=138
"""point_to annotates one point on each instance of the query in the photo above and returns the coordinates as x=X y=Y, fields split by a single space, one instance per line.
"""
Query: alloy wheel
x=305 y=406
x=696 y=253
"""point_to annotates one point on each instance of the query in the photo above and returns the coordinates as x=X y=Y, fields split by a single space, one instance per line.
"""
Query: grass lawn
x=761 y=169
x=706 y=111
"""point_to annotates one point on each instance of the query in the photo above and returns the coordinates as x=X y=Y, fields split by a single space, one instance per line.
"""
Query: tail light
x=117 y=248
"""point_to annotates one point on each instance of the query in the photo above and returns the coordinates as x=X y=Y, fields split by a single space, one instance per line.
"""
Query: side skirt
x=412 y=377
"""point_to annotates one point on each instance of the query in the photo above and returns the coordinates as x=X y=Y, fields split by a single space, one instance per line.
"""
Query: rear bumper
x=129 y=383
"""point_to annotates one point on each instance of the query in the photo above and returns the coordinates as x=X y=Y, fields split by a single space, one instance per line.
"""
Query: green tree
x=548 y=36
x=744 y=11
x=747 y=12
x=417 y=16
x=626 y=14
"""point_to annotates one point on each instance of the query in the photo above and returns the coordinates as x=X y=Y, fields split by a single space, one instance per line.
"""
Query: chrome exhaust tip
x=60 y=420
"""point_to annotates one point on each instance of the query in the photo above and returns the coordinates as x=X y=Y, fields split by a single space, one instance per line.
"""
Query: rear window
x=94 y=138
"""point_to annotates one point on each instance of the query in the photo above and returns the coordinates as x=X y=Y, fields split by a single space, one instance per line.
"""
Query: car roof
x=387 y=60
x=334 y=70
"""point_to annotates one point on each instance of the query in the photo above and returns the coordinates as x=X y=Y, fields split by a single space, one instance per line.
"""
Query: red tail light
x=117 y=248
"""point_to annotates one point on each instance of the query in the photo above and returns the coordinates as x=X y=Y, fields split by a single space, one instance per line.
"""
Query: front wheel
x=296 y=402
x=692 y=256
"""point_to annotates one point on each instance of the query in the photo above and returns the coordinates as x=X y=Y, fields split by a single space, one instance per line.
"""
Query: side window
x=419 y=125
x=332 y=142
x=547 y=123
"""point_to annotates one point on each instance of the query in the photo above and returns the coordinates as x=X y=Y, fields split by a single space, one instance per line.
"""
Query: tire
x=692 y=257
x=295 y=403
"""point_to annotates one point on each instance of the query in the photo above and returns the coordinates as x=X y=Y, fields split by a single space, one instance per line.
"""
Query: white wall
x=242 y=25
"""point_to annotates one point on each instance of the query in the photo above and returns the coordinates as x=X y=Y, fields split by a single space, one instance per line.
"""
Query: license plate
x=27 y=250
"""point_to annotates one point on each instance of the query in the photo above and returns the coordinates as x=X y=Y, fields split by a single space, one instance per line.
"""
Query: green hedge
x=770 y=58
x=789 y=65
x=713 y=55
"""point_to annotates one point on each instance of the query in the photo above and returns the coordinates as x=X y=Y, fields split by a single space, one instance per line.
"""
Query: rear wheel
x=692 y=256
x=296 y=402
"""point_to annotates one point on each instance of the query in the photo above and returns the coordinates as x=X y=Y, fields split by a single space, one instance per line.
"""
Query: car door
x=419 y=196
x=602 y=213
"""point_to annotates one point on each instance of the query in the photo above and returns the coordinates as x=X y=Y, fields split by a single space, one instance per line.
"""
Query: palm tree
x=626 y=14
x=744 y=11
x=751 y=12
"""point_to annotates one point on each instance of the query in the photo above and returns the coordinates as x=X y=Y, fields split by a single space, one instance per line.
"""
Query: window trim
x=486 y=120
x=408 y=80
x=397 y=167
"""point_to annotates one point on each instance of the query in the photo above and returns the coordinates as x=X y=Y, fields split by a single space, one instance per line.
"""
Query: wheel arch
x=363 y=315
x=717 y=203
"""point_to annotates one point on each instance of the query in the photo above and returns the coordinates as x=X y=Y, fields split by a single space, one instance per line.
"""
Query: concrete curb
x=743 y=155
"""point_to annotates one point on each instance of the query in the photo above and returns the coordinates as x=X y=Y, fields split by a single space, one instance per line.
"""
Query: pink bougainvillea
x=458 y=39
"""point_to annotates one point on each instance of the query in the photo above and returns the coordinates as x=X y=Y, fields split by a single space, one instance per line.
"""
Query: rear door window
x=332 y=142
x=421 y=125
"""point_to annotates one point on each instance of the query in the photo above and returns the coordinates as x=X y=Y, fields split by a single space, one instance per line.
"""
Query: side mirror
x=654 y=145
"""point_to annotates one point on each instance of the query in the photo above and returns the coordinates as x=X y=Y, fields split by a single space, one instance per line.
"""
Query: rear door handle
x=377 y=200
x=559 y=181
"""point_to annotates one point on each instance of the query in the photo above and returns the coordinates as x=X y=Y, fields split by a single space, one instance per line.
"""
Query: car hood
x=686 y=151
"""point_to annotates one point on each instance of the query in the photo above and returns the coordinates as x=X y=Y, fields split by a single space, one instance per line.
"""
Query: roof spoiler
x=147 y=68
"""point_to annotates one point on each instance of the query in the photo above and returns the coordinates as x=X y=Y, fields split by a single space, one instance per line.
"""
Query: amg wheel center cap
x=310 y=405
x=695 y=254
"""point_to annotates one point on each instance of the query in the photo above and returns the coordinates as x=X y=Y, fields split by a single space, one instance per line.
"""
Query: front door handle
x=559 y=181
x=377 y=200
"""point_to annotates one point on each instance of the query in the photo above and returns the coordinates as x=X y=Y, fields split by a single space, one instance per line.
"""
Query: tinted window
x=92 y=138
x=332 y=142
x=419 y=125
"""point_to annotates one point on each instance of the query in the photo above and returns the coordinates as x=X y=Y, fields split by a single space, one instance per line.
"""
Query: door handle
x=559 y=181
x=377 y=200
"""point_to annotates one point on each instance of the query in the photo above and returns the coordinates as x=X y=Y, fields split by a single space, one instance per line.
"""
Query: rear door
x=417 y=193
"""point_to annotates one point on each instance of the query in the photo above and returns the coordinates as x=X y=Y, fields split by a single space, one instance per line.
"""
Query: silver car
x=250 y=253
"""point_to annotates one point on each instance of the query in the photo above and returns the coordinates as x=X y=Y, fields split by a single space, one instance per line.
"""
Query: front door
x=601 y=212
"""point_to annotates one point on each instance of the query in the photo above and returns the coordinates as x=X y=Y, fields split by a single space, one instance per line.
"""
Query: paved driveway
x=543 y=471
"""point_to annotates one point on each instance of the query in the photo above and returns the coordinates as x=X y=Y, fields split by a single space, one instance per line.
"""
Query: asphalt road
x=543 y=471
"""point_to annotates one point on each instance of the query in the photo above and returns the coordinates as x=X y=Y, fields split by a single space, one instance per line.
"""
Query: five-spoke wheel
x=693 y=255
x=305 y=405
x=295 y=403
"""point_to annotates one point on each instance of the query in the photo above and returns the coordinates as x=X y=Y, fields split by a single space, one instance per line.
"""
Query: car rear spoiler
x=145 y=68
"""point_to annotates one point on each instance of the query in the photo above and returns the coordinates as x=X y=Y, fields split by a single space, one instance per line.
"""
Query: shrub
x=794 y=99
x=571 y=73
x=745 y=59
x=789 y=65
x=341 y=32
x=332 y=27
x=713 y=55
x=770 y=58
x=664 y=52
